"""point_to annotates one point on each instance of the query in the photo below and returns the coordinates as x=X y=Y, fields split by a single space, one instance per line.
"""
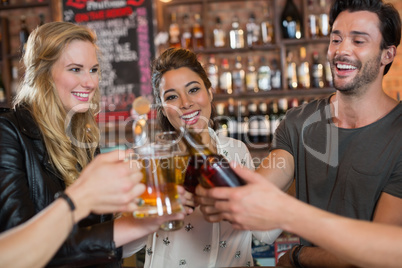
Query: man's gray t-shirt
x=341 y=170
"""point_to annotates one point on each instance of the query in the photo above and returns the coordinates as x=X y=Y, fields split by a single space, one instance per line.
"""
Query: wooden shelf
x=275 y=93
x=25 y=5
x=11 y=58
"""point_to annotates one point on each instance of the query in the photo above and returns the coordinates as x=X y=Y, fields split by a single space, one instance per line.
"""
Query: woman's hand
x=187 y=199
x=108 y=184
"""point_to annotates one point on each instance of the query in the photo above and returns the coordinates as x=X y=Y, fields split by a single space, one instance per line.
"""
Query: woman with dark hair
x=183 y=91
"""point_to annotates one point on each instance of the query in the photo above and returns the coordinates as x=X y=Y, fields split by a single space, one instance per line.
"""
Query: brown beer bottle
x=211 y=169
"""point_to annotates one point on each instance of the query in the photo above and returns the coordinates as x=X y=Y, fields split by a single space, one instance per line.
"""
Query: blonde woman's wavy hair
x=71 y=144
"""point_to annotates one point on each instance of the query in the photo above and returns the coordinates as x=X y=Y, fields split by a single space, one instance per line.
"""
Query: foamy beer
x=180 y=154
x=159 y=176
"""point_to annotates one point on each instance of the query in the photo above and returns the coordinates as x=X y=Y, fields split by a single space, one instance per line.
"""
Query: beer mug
x=155 y=161
x=180 y=159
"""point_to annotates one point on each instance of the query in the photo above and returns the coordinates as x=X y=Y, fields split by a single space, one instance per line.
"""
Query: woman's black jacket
x=28 y=183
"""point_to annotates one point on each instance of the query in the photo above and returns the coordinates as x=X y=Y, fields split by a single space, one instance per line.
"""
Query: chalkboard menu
x=125 y=38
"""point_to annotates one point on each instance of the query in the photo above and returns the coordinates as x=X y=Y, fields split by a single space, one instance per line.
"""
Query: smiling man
x=344 y=151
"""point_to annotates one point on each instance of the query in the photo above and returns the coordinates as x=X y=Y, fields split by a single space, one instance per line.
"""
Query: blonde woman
x=50 y=135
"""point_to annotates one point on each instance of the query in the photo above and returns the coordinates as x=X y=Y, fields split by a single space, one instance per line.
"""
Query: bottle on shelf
x=317 y=74
x=24 y=33
x=41 y=19
x=225 y=78
x=213 y=169
x=253 y=123
x=219 y=34
x=324 y=24
x=264 y=75
x=14 y=80
x=2 y=90
x=291 y=20
x=232 y=121
x=243 y=124
x=267 y=28
x=253 y=31
x=212 y=72
x=291 y=73
x=198 y=33
x=282 y=108
x=264 y=124
x=251 y=76
x=221 y=121
x=303 y=70
x=313 y=26
x=5 y=2
x=276 y=75
x=328 y=74
x=292 y=103
x=1 y=47
x=273 y=119
x=238 y=76
x=323 y=19
x=186 y=40
x=174 y=32
x=236 y=34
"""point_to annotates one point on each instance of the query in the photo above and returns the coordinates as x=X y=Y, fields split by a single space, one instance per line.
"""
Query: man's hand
x=259 y=205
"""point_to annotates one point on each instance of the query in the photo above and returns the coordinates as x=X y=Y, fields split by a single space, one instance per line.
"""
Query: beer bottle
x=213 y=169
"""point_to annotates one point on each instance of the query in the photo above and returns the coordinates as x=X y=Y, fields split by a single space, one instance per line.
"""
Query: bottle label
x=254 y=126
x=264 y=128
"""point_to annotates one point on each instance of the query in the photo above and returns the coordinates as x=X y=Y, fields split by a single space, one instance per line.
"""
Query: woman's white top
x=203 y=244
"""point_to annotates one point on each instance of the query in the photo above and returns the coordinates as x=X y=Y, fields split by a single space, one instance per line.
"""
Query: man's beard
x=367 y=74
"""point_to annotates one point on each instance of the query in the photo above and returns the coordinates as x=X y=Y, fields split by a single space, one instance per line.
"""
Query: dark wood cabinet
x=10 y=54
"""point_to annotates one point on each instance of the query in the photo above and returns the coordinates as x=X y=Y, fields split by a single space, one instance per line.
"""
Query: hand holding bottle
x=211 y=169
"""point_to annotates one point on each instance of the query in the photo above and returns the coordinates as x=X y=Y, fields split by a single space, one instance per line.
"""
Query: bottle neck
x=195 y=145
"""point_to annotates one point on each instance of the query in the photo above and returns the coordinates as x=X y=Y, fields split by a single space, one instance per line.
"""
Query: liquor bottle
x=273 y=119
x=24 y=33
x=243 y=124
x=251 y=76
x=174 y=32
x=236 y=35
x=253 y=31
x=14 y=81
x=238 y=76
x=328 y=74
x=253 y=123
x=221 y=121
x=276 y=76
x=232 y=121
x=324 y=20
x=291 y=74
x=225 y=78
x=313 y=26
x=213 y=169
x=1 y=47
x=267 y=29
x=2 y=90
x=282 y=108
x=294 y=102
x=291 y=21
x=264 y=75
x=5 y=2
x=186 y=40
x=212 y=72
x=303 y=70
x=41 y=19
x=219 y=33
x=264 y=127
x=317 y=74
x=198 y=33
